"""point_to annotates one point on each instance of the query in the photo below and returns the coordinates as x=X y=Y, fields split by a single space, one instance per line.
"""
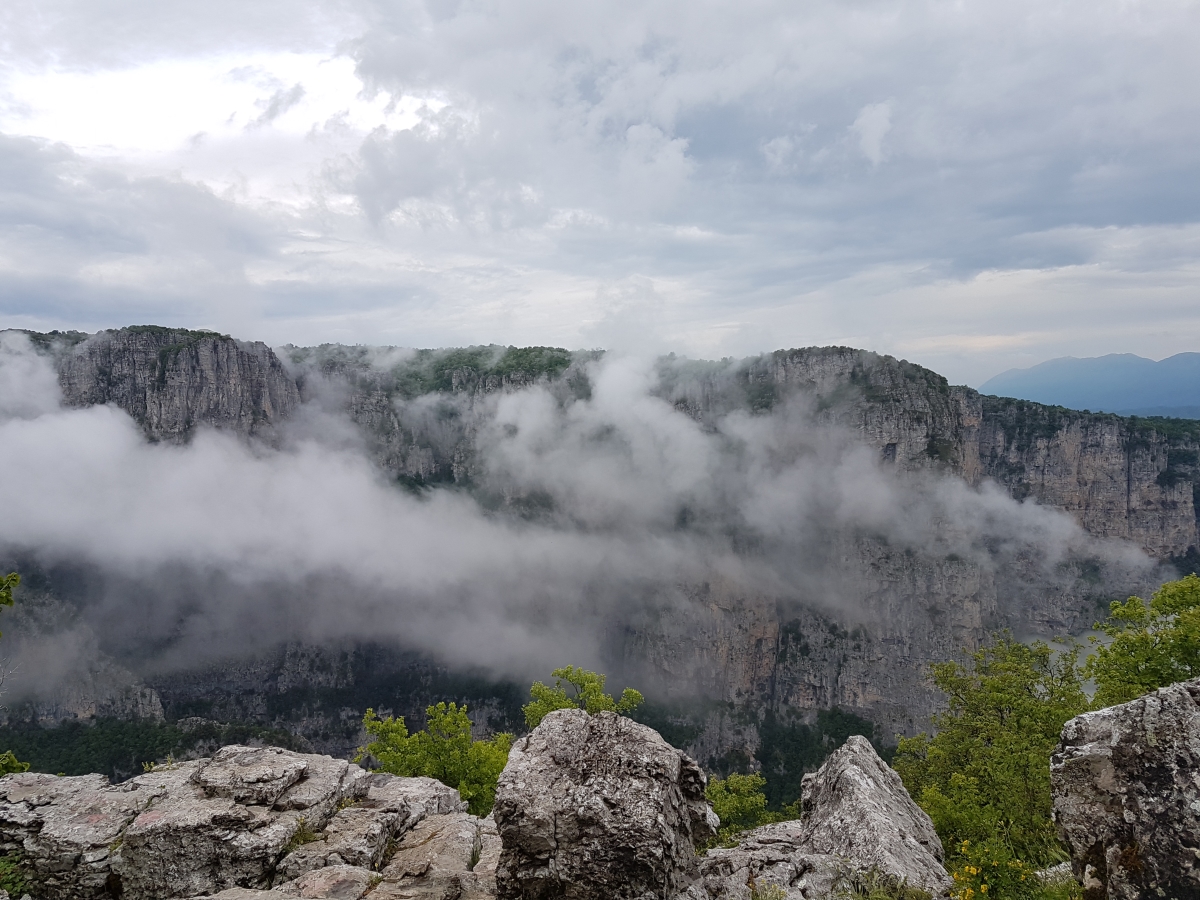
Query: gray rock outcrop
x=1126 y=785
x=247 y=822
x=858 y=821
x=598 y=806
x=172 y=380
x=226 y=821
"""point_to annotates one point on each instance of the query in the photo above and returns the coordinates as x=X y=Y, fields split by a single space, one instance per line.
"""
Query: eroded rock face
x=856 y=807
x=227 y=821
x=598 y=806
x=67 y=828
x=171 y=380
x=1126 y=784
x=249 y=822
x=857 y=818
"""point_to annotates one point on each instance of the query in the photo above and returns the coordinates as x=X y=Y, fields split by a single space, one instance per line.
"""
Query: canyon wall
x=859 y=637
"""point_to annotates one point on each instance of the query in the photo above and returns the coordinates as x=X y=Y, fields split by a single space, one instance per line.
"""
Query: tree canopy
x=7 y=583
x=741 y=804
x=445 y=750
x=984 y=777
x=1152 y=644
x=586 y=692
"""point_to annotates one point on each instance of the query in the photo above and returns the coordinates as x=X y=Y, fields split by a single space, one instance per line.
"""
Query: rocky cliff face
x=172 y=380
x=1127 y=478
x=858 y=637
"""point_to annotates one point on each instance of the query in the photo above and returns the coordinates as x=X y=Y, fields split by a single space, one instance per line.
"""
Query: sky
x=969 y=185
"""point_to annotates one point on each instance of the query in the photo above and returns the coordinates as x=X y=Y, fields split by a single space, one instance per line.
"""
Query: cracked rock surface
x=1126 y=785
x=598 y=806
x=857 y=817
x=248 y=822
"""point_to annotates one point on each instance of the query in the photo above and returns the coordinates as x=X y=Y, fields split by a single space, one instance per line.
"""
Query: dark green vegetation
x=8 y=760
x=874 y=885
x=12 y=875
x=7 y=583
x=445 y=750
x=395 y=683
x=121 y=749
x=740 y=804
x=984 y=777
x=787 y=750
x=418 y=372
x=1150 y=644
x=1027 y=422
x=48 y=340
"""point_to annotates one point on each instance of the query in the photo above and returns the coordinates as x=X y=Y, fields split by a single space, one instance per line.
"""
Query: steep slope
x=815 y=614
x=172 y=380
x=1126 y=478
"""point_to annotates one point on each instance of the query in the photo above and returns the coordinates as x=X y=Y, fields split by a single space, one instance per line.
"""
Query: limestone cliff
x=1128 y=478
x=857 y=632
x=172 y=380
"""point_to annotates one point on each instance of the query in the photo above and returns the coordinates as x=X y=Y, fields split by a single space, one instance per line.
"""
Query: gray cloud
x=952 y=184
x=224 y=547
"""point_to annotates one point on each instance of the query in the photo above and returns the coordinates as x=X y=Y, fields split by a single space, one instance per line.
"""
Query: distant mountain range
x=1119 y=383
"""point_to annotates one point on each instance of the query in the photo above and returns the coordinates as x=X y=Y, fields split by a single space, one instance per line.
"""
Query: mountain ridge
x=1121 y=383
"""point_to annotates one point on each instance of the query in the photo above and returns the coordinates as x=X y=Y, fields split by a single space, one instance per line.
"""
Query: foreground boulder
x=598 y=806
x=1126 y=785
x=858 y=824
x=250 y=821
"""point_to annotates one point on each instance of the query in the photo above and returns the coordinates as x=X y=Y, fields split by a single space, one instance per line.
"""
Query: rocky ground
x=588 y=808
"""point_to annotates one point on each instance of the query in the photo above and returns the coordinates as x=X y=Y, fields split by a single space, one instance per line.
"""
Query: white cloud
x=225 y=545
x=873 y=123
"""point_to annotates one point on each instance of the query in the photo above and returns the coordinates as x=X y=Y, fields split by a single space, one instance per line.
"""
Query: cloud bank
x=224 y=547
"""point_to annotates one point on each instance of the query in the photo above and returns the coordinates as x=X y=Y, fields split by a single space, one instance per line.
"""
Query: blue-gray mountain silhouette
x=1119 y=383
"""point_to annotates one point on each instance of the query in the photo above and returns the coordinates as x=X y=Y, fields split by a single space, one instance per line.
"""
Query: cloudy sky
x=971 y=185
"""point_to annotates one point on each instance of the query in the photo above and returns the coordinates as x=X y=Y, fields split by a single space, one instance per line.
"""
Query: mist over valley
x=213 y=531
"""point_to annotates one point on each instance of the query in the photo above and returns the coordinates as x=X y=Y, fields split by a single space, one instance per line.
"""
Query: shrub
x=740 y=804
x=985 y=775
x=587 y=692
x=445 y=750
x=1152 y=645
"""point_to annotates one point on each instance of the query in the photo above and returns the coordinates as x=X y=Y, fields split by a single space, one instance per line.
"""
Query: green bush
x=587 y=692
x=1152 y=645
x=445 y=750
x=985 y=776
x=7 y=583
x=9 y=763
x=740 y=804
x=13 y=875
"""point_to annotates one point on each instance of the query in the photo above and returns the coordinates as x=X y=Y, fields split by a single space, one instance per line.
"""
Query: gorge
x=212 y=531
